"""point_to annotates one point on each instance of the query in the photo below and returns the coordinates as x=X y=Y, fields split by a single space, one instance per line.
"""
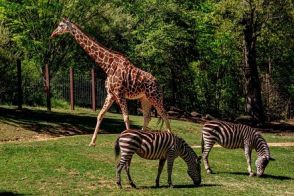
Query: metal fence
x=82 y=89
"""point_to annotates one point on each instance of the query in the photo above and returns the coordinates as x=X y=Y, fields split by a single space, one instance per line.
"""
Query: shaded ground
x=57 y=123
x=34 y=124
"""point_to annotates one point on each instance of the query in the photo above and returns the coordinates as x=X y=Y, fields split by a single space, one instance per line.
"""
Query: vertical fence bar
x=19 y=85
x=93 y=89
x=71 y=81
x=47 y=88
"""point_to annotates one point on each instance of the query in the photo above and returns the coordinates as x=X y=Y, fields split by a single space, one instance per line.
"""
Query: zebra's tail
x=117 y=148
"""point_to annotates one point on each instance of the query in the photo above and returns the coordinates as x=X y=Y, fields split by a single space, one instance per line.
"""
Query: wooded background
x=226 y=58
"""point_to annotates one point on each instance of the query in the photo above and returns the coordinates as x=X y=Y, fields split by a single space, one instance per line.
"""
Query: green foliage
x=194 y=49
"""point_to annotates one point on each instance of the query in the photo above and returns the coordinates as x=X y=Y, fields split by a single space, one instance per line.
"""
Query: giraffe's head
x=63 y=27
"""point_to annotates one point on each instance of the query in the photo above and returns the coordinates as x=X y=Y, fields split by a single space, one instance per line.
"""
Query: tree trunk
x=19 y=85
x=252 y=87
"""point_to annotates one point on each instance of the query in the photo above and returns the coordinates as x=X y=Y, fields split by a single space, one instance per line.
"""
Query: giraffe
x=124 y=80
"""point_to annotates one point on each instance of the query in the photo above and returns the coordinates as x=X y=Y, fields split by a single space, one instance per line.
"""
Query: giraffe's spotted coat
x=124 y=80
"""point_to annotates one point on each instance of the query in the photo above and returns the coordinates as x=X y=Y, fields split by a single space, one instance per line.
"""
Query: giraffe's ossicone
x=124 y=80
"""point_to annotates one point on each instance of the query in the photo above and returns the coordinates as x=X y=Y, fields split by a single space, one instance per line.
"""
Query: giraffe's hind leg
x=157 y=102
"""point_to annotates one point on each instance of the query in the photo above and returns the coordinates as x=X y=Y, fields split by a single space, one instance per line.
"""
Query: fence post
x=93 y=76
x=19 y=85
x=71 y=80
x=47 y=88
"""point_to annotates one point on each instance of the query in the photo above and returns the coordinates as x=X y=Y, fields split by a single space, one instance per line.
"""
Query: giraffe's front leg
x=108 y=102
x=122 y=102
x=247 y=151
x=146 y=107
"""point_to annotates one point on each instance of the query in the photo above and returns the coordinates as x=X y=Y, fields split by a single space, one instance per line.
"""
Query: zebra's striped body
x=230 y=135
x=162 y=146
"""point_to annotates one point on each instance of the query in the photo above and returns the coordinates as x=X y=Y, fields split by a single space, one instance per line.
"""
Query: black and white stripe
x=231 y=135
x=162 y=146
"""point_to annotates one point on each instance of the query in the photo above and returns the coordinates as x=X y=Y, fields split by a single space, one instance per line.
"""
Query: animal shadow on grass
x=179 y=186
x=8 y=193
x=264 y=175
x=58 y=123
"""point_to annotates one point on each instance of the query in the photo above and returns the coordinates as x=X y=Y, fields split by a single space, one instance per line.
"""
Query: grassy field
x=59 y=165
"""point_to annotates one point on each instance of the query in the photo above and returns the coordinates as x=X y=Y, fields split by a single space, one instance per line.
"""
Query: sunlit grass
x=67 y=166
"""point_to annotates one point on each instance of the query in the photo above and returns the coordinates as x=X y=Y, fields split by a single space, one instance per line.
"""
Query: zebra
x=162 y=146
x=231 y=135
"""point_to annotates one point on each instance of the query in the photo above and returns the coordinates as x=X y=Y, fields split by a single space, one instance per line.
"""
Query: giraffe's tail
x=160 y=122
x=117 y=148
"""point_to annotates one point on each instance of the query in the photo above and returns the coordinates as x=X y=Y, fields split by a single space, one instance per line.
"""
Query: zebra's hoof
x=119 y=185
x=133 y=185
x=171 y=186
x=209 y=171
x=157 y=183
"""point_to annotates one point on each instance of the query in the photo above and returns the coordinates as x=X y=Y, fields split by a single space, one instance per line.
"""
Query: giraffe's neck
x=101 y=55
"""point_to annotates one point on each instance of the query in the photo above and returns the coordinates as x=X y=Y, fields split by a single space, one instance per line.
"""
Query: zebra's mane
x=186 y=147
x=263 y=149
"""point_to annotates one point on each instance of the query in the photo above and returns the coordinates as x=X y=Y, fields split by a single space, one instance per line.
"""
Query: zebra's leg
x=127 y=168
x=248 y=151
x=207 y=146
x=170 y=163
x=123 y=163
x=160 y=167
x=119 y=167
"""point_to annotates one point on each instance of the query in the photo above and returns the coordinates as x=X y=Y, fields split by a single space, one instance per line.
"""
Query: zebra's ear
x=257 y=133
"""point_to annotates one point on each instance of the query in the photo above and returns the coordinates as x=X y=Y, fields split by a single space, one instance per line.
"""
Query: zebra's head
x=194 y=170
x=261 y=164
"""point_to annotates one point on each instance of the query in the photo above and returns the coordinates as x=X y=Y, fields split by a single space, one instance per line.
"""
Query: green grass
x=67 y=166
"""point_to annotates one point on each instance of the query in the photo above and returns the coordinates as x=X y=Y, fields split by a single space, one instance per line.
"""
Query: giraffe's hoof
x=92 y=144
x=251 y=174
